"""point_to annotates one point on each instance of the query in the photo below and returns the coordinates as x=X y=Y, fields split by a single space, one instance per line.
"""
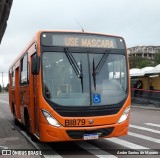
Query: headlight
x=50 y=119
x=124 y=115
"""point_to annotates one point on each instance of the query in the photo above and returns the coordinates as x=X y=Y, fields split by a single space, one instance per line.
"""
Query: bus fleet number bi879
x=75 y=122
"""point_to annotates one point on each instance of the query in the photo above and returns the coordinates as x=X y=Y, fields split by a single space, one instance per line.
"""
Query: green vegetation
x=0 y=88
x=5 y=89
x=139 y=62
x=157 y=58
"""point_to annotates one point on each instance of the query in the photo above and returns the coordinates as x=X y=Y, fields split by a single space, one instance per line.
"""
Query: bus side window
x=13 y=78
x=24 y=71
x=10 y=77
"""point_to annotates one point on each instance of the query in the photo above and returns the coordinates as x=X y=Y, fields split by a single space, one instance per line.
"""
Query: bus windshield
x=99 y=79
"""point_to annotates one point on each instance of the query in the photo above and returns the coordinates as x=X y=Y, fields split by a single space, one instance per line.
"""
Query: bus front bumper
x=50 y=133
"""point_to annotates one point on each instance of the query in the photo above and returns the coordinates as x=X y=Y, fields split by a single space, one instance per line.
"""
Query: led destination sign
x=84 y=41
x=80 y=40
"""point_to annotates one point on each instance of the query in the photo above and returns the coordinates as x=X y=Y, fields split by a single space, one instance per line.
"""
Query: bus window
x=24 y=72
x=117 y=70
x=13 y=77
x=60 y=82
x=110 y=80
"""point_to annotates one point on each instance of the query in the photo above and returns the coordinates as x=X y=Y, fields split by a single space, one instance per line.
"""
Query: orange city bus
x=69 y=86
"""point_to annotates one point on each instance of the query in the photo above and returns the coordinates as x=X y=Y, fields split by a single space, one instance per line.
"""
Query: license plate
x=90 y=136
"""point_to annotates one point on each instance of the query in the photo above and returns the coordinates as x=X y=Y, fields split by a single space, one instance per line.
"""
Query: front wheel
x=14 y=117
x=27 y=123
x=27 y=128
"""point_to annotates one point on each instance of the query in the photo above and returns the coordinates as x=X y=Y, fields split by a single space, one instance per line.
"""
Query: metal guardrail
x=146 y=97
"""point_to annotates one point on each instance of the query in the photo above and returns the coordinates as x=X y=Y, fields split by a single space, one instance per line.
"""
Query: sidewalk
x=145 y=106
x=10 y=135
x=10 y=138
x=146 y=102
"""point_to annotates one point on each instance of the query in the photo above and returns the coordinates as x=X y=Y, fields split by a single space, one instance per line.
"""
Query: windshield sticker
x=96 y=98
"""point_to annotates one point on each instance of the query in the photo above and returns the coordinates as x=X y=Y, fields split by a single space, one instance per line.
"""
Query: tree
x=146 y=62
x=139 y=62
x=6 y=88
x=157 y=58
x=0 y=88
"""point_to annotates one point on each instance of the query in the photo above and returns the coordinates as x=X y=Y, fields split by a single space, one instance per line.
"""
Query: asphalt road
x=143 y=139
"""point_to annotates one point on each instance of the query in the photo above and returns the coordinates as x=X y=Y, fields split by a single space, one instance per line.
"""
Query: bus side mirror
x=35 y=64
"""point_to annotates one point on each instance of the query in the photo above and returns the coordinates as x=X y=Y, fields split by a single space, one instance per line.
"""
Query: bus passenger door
x=23 y=88
x=35 y=105
x=34 y=91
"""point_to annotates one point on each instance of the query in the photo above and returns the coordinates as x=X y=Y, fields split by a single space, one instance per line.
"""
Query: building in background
x=143 y=51
x=5 y=6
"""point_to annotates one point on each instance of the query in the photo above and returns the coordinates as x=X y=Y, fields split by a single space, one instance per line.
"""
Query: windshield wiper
x=77 y=69
x=99 y=67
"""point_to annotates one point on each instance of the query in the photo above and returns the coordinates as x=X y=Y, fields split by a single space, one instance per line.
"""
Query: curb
x=143 y=107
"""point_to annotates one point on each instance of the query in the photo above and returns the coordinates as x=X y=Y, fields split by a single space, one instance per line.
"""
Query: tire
x=34 y=138
x=27 y=127
x=14 y=117
x=27 y=123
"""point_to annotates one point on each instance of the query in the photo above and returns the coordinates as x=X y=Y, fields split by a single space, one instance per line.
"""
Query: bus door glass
x=34 y=102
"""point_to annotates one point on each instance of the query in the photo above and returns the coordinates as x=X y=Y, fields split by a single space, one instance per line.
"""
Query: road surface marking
x=125 y=143
x=43 y=146
x=3 y=147
x=145 y=129
x=3 y=101
x=152 y=124
x=95 y=150
x=144 y=137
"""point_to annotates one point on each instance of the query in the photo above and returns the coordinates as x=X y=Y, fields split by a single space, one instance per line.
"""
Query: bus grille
x=87 y=112
x=78 y=134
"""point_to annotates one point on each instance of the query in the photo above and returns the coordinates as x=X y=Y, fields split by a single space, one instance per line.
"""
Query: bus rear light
x=50 y=119
x=124 y=115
